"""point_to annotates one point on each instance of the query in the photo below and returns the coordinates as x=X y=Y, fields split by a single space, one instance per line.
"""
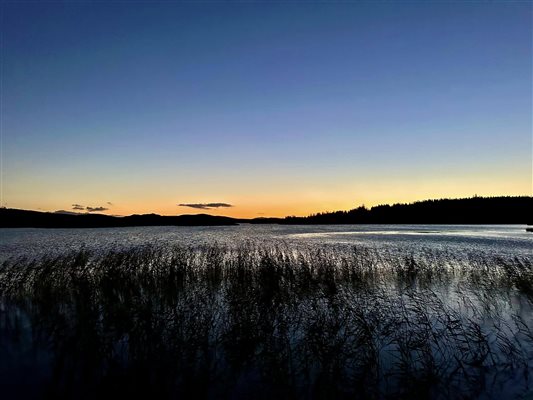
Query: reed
x=265 y=320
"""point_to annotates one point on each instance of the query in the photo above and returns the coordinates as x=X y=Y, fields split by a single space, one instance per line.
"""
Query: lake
x=266 y=311
x=505 y=240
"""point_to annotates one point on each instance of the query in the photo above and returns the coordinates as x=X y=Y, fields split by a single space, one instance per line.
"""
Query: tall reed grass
x=269 y=320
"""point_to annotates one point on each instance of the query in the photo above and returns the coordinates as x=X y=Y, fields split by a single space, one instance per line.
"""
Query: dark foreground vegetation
x=475 y=210
x=267 y=321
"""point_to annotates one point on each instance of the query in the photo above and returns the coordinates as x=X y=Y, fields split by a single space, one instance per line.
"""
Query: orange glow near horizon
x=268 y=196
x=262 y=209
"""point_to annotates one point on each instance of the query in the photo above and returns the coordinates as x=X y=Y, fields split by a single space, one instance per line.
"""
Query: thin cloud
x=66 y=212
x=96 y=209
x=205 y=206
x=78 y=207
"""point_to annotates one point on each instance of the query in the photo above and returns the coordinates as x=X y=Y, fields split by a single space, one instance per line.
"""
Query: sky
x=280 y=108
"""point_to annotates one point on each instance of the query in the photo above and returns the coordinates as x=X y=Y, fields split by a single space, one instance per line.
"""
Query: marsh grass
x=269 y=320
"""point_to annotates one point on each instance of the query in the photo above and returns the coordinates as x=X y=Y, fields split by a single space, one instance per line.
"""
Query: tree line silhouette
x=474 y=210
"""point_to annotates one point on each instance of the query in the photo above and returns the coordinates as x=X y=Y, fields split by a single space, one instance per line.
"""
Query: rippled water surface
x=414 y=311
x=496 y=239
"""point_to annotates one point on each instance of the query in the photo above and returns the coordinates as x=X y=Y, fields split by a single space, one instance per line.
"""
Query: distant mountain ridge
x=474 y=210
x=14 y=218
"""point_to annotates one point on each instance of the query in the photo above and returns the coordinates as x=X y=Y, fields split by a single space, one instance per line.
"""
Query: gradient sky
x=280 y=108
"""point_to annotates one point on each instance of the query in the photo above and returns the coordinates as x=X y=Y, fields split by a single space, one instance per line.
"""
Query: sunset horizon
x=235 y=210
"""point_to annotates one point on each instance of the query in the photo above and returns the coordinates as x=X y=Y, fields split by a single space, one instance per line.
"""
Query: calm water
x=507 y=240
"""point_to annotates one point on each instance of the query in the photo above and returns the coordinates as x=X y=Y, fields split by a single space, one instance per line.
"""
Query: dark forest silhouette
x=475 y=210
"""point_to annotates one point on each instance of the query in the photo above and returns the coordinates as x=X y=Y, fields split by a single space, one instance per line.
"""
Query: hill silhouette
x=14 y=218
x=474 y=210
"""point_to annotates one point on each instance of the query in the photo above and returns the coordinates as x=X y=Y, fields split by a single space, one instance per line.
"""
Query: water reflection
x=494 y=239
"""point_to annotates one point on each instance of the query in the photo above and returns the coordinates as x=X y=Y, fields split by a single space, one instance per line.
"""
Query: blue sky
x=280 y=108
